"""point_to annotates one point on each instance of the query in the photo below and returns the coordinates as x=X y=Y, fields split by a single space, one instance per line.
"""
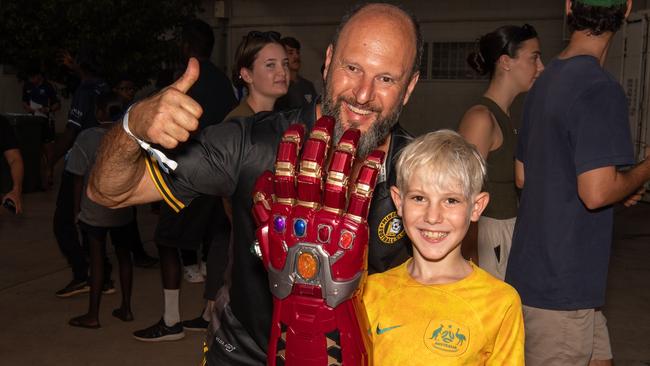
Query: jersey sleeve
x=207 y=165
x=600 y=135
x=509 y=344
x=78 y=162
x=81 y=108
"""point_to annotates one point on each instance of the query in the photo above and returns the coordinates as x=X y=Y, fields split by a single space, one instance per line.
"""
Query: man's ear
x=480 y=203
x=411 y=86
x=328 y=59
x=395 y=194
x=567 y=6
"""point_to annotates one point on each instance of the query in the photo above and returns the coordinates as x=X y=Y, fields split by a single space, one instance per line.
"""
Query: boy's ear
x=397 y=199
x=480 y=203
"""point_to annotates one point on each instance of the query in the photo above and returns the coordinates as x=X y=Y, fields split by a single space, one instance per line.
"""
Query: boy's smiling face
x=436 y=218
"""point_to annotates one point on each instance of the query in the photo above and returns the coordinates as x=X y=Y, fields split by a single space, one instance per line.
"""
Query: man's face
x=36 y=79
x=126 y=90
x=368 y=79
x=294 y=58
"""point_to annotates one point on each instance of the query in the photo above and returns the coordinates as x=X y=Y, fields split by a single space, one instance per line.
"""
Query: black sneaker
x=144 y=261
x=75 y=287
x=160 y=332
x=196 y=325
x=108 y=288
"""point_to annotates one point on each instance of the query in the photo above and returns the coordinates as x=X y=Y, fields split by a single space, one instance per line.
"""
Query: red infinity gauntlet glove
x=313 y=239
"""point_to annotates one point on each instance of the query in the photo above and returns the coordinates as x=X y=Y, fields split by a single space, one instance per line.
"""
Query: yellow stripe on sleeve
x=159 y=182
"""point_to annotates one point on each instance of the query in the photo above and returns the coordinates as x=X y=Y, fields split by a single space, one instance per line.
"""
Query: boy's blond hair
x=442 y=158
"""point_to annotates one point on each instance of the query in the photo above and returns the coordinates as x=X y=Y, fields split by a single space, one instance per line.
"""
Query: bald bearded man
x=371 y=69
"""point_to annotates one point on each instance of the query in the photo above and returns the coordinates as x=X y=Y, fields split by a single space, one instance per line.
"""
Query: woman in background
x=262 y=68
x=510 y=55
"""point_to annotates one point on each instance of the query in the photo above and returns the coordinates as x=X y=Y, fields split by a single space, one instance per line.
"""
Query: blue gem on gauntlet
x=299 y=227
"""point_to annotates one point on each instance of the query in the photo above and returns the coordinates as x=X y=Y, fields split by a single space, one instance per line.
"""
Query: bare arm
x=15 y=161
x=519 y=174
x=62 y=144
x=118 y=178
x=27 y=108
x=477 y=128
x=605 y=186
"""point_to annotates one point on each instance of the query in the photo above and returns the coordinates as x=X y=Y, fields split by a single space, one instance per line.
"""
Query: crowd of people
x=486 y=246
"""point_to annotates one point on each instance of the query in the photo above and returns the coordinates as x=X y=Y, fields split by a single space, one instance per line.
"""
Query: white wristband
x=164 y=162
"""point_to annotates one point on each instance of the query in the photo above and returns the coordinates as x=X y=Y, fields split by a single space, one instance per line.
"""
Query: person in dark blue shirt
x=80 y=117
x=575 y=136
x=191 y=228
x=40 y=99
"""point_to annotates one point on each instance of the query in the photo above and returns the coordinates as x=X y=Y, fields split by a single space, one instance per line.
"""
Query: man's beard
x=376 y=133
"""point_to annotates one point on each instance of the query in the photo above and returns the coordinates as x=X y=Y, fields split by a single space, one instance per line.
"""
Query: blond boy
x=437 y=308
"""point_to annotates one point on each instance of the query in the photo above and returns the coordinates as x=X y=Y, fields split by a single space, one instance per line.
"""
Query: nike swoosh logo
x=381 y=331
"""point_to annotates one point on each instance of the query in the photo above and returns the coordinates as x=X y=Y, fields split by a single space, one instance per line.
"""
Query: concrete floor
x=33 y=321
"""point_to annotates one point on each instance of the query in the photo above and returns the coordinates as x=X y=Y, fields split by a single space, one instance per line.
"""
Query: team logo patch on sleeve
x=390 y=228
x=447 y=338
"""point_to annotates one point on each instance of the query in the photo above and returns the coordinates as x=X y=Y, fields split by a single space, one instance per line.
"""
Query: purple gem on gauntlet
x=279 y=223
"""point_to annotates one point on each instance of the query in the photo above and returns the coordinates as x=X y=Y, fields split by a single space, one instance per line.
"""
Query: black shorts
x=120 y=235
x=231 y=344
x=190 y=227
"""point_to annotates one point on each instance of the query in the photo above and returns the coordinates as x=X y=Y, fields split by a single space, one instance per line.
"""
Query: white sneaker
x=192 y=274
x=203 y=267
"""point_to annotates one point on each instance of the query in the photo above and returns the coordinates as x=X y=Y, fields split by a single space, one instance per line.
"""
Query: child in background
x=437 y=308
x=96 y=221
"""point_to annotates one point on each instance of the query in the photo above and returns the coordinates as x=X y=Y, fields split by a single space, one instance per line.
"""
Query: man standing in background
x=192 y=227
x=86 y=65
x=575 y=136
x=301 y=91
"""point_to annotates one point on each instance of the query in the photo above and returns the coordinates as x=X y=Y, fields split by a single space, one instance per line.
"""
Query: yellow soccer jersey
x=475 y=321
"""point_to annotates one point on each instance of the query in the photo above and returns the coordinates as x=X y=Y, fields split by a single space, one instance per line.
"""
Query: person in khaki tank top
x=510 y=55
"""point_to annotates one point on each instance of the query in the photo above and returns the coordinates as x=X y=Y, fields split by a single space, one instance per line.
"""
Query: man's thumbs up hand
x=168 y=117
